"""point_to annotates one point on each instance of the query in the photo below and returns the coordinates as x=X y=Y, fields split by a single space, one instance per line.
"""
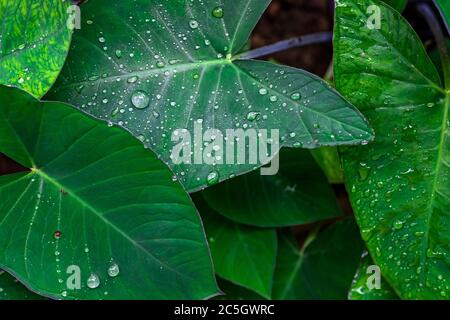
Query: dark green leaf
x=11 y=289
x=399 y=185
x=232 y=291
x=243 y=255
x=361 y=287
x=323 y=268
x=298 y=194
x=159 y=67
x=96 y=199
x=34 y=42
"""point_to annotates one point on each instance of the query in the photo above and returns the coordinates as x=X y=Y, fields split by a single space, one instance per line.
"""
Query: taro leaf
x=362 y=286
x=437 y=61
x=232 y=291
x=34 y=42
x=11 y=289
x=241 y=254
x=444 y=7
x=399 y=5
x=399 y=185
x=158 y=67
x=96 y=199
x=323 y=268
x=298 y=194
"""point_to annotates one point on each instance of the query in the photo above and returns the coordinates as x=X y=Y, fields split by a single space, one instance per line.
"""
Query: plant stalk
x=302 y=41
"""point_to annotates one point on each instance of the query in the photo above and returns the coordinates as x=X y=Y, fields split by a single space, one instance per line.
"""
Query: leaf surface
x=11 y=289
x=242 y=255
x=34 y=43
x=400 y=184
x=298 y=194
x=160 y=67
x=97 y=200
x=323 y=268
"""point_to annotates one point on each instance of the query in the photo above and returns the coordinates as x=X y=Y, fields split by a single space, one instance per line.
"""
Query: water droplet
x=273 y=98
x=57 y=235
x=118 y=54
x=140 y=99
x=193 y=24
x=217 y=12
x=296 y=96
x=212 y=178
x=262 y=91
x=93 y=281
x=398 y=224
x=160 y=64
x=132 y=79
x=252 y=116
x=101 y=39
x=113 y=270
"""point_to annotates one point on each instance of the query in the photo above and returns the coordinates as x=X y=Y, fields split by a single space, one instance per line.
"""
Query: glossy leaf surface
x=95 y=206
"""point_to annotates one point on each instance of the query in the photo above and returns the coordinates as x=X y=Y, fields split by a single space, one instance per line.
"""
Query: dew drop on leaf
x=212 y=178
x=252 y=116
x=113 y=270
x=296 y=96
x=93 y=281
x=217 y=12
x=140 y=99
x=193 y=24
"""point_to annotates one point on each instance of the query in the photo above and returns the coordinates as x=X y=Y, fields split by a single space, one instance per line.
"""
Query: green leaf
x=177 y=59
x=96 y=199
x=34 y=43
x=444 y=7
x=243 y=255
x=361 y=290
x=232 y=291
x=323 y=268
x=398 y=5
x=11 y=289
x=298 y=194
x=399 y=184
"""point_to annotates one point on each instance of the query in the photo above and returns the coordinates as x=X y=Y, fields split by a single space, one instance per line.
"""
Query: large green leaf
x=11 y=289
x=158 y=67
x=96 y=199
x=323 y=268
x=298 y=194
x=243 y=255
x=361 y=290
x=399 y=185
x=232 y=291
x=34 y=42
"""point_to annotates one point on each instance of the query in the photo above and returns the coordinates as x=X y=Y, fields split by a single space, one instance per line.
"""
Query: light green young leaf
x=323 y=268
x=34 y=43
x=11 y=289
x=298 y=194
x=400 y=184
x=159 y=67
x=363 y=283
x=94 y=200
x=243 y=255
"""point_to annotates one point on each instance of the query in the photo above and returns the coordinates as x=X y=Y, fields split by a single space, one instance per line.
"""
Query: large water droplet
x=296 y=96
x=193 y=24
x=113 y=270
x=217 y=12
x=93 y=281
x=252 y=116
x=140 y=99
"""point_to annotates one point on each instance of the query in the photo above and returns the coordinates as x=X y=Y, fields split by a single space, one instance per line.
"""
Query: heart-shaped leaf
x=365 y=286
x=243 y=255
x=232 y=291
x=97 y=216
x=11 y=289
x=298 y=194
x=399 y=185
x=323 y=268
x=34 y=42
x=159 y=68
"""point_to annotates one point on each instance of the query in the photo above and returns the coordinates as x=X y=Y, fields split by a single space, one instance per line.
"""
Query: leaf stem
x=435 y=27
x=302 y=41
